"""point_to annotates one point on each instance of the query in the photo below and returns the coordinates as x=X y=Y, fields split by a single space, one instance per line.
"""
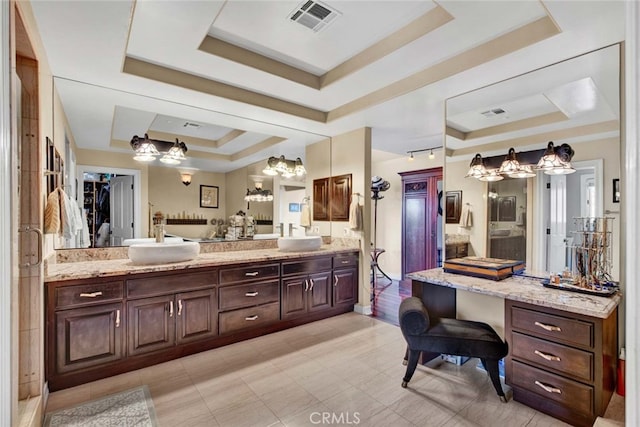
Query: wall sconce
x=430 y=150
x=147 y=149
x=512 y=167
x=285 y=167
x=185 y=177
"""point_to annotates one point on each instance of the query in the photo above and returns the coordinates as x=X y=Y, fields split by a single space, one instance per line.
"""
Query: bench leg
x=414 y=355
x=491 y=365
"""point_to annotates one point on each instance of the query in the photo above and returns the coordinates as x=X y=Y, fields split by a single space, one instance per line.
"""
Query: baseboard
x=363 y=309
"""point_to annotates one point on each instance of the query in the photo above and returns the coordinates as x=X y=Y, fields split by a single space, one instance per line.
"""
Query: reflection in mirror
x=574 y=102
x=226 y=155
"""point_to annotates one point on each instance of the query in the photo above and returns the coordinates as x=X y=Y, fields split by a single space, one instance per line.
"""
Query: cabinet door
x=319 y=291
x=321 y=199
x=344 y=286
x=152 y=324
x=294 y=296
x=87 y=337
x=340 y=197
x=196 y=316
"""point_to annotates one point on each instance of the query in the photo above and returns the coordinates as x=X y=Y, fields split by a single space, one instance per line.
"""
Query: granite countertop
x=523 y=289
x=122 y=266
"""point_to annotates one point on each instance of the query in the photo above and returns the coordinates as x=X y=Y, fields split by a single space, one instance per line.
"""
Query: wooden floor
x=388 y=295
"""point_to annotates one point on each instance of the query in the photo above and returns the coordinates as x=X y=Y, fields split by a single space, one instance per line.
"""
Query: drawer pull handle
x=344 y=262
x=90 y=294
x=251 y=318
x=252 y=274
x=306 y=285
x=335 y=282
x=179 y=307
x=251 y=294
x=546 y=356
x=550 y=328
x=170 y=308
x=548 y=388
x=311 y=288
x=117 y=318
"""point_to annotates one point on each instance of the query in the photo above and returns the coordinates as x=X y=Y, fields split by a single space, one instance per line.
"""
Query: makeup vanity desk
x=562 y=345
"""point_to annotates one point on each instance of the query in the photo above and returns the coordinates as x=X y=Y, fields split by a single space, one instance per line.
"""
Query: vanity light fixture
x=147 y=149
x=556 y=160
x=258 y=194
x=285 y=167
x=430 y=150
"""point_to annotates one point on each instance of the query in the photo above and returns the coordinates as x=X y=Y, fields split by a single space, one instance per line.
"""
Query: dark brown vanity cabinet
x=160 y=317
x=345 y=279
x=306 y=286
x=87 y=321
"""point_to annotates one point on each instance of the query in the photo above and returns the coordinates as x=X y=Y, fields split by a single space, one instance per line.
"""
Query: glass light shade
x=146 y=152
x=510 y=165
x=299 y=169
x=431 y=155
x=476 y=168
x=174 y=156
x=281 y=166
x=564 y=168
x=525 y=171
x=491 y=176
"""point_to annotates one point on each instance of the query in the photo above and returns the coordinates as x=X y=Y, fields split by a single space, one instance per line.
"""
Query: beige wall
x=170 y=196
x=318 y=164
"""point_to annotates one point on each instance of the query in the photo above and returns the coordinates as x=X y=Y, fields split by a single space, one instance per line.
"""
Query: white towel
x=465 y=216
x=355 y=216
x=85 y=240
x=305 y=216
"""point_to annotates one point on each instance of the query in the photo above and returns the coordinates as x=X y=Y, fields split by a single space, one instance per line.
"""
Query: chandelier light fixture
x=284 y=167
x=554 y=161
x=147 y=150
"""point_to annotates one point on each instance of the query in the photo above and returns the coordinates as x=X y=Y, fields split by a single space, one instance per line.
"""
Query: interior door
x=121 y=201
x=557 y=228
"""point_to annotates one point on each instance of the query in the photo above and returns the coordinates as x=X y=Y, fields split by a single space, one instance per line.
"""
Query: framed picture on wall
x=209 y=196
x=294 y=207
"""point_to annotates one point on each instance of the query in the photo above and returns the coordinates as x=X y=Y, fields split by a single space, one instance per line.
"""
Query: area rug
x=132 y=407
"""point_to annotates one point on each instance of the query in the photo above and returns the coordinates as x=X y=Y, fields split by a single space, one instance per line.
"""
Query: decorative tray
x=606 y=290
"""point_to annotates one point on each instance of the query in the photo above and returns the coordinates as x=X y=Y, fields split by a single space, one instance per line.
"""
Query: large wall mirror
x=575 y=102
x=227 y=158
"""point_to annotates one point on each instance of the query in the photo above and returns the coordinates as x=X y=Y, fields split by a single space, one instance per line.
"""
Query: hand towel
x=67 y=215
x=52 y=213
x=305 y=216
x=465 y=216
x=85 y=240
x=355 y=216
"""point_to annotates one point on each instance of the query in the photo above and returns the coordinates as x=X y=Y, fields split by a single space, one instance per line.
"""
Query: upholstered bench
x=449 y=336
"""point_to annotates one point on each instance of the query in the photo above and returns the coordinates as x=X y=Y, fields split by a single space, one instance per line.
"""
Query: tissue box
x=500 y=367
x=456 y=360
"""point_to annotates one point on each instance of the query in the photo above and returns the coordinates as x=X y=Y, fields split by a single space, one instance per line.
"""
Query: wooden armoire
x=420 y=205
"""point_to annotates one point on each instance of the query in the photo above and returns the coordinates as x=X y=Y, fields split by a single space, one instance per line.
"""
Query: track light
x=430 y=150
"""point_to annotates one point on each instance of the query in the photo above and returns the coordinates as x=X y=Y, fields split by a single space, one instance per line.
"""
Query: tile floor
x=347 y=368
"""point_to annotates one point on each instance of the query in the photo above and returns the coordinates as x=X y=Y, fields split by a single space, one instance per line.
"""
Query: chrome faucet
x=291 y=228
x=159 y=231
x=280 y=228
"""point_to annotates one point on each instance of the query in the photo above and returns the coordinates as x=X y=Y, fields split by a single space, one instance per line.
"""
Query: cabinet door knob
x=550 y=328
x=170 y=308
x=179 y=307
x=251 y=294
x=251 y=318
x=117 y=318
x=90 y=294
x=548 y=388
x=547 y=356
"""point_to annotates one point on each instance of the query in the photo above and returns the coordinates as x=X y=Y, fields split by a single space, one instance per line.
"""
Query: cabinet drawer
x=348 y=260
x=306 y=266
x=248 y=295
x=88 y=294
x=568 y=393
x=249 y=317
x=245 y=273
x=170 y=283
x=558 y=328
x=570 y=361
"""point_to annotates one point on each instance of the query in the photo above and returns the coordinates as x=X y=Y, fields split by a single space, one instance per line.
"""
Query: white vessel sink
x=162 y=253
x=299 y=243
x=265 y=236
x=129 y=242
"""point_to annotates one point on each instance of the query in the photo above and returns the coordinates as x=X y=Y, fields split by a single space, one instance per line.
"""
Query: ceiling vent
x=192 y=125
x=493 y=112
x=314 y=15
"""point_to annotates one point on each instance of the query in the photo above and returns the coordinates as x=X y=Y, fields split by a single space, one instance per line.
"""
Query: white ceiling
x=87 y=42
